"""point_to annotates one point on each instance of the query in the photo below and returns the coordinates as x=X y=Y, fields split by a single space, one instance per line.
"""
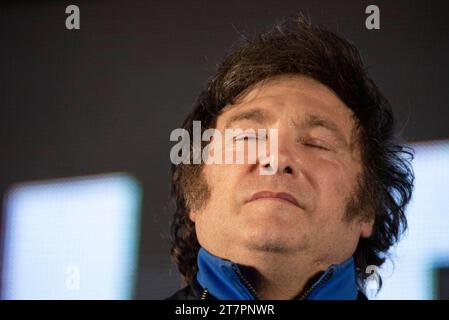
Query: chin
x=274 y=244
x=275 y=236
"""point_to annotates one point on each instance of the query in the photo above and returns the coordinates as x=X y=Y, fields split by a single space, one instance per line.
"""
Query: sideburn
x=196 y=189
x=362 y=203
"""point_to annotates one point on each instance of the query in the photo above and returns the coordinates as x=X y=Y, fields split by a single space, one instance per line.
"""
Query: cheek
x=330 y=176
x=333 y=185
x=224 y=181
x=340 y=183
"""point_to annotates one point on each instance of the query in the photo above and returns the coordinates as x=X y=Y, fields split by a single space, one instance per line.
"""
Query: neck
x=277 y=275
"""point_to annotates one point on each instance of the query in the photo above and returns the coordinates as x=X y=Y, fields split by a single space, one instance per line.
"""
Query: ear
x=192 y=215
x=366 y=228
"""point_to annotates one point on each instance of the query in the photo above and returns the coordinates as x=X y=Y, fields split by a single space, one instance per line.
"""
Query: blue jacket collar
x=221 y=278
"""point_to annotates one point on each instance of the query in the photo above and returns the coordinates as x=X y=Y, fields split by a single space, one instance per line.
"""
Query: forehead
x=297 y=98
x=297 y=92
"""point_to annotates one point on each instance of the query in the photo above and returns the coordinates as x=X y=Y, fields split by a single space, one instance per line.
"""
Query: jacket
x=222 y=279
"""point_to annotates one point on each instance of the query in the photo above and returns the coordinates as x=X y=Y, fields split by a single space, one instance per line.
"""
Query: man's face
x=318 y=165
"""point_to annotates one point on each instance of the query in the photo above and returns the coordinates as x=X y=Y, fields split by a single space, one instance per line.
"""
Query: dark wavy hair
x=294 y=46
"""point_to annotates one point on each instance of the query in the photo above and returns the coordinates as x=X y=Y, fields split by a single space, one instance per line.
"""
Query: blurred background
x=85 y=119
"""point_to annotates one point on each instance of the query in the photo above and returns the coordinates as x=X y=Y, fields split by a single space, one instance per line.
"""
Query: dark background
x=106 y=97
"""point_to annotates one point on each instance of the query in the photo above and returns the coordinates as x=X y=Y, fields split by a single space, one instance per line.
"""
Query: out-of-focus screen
x=71 y=239
x=77 y=238
x=419 y=265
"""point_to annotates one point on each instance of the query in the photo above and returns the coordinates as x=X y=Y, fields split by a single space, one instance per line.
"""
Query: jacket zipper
x=254 y=293
x=246 y=283
x=317 y=285
x=204 y=294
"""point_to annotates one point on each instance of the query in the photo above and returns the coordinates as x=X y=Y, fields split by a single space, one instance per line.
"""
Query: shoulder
x=361 y=296
x=183 y=294
x=192 y=291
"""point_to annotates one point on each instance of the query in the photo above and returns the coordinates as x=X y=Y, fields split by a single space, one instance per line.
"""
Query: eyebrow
x=256 y=115
x=312 y=120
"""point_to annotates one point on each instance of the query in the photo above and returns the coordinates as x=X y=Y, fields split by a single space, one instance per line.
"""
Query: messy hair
x=294 y=46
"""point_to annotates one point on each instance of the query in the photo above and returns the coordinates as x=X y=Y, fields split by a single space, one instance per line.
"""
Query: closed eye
x=245 y=137
x=315 y=145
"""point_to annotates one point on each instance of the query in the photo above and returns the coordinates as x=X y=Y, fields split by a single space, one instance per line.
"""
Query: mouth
x=276 y=196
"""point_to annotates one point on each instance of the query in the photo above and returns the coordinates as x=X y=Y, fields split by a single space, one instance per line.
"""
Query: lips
x=275 y=195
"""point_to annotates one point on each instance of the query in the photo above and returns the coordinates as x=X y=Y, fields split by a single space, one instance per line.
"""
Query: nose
x=286 y=163
x=281 y=158
x=283 y=165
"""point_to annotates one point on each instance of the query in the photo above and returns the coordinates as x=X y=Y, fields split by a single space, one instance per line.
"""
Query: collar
x=224 y=281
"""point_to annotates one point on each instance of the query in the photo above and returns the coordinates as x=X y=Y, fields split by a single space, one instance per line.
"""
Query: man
x=335 y=202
